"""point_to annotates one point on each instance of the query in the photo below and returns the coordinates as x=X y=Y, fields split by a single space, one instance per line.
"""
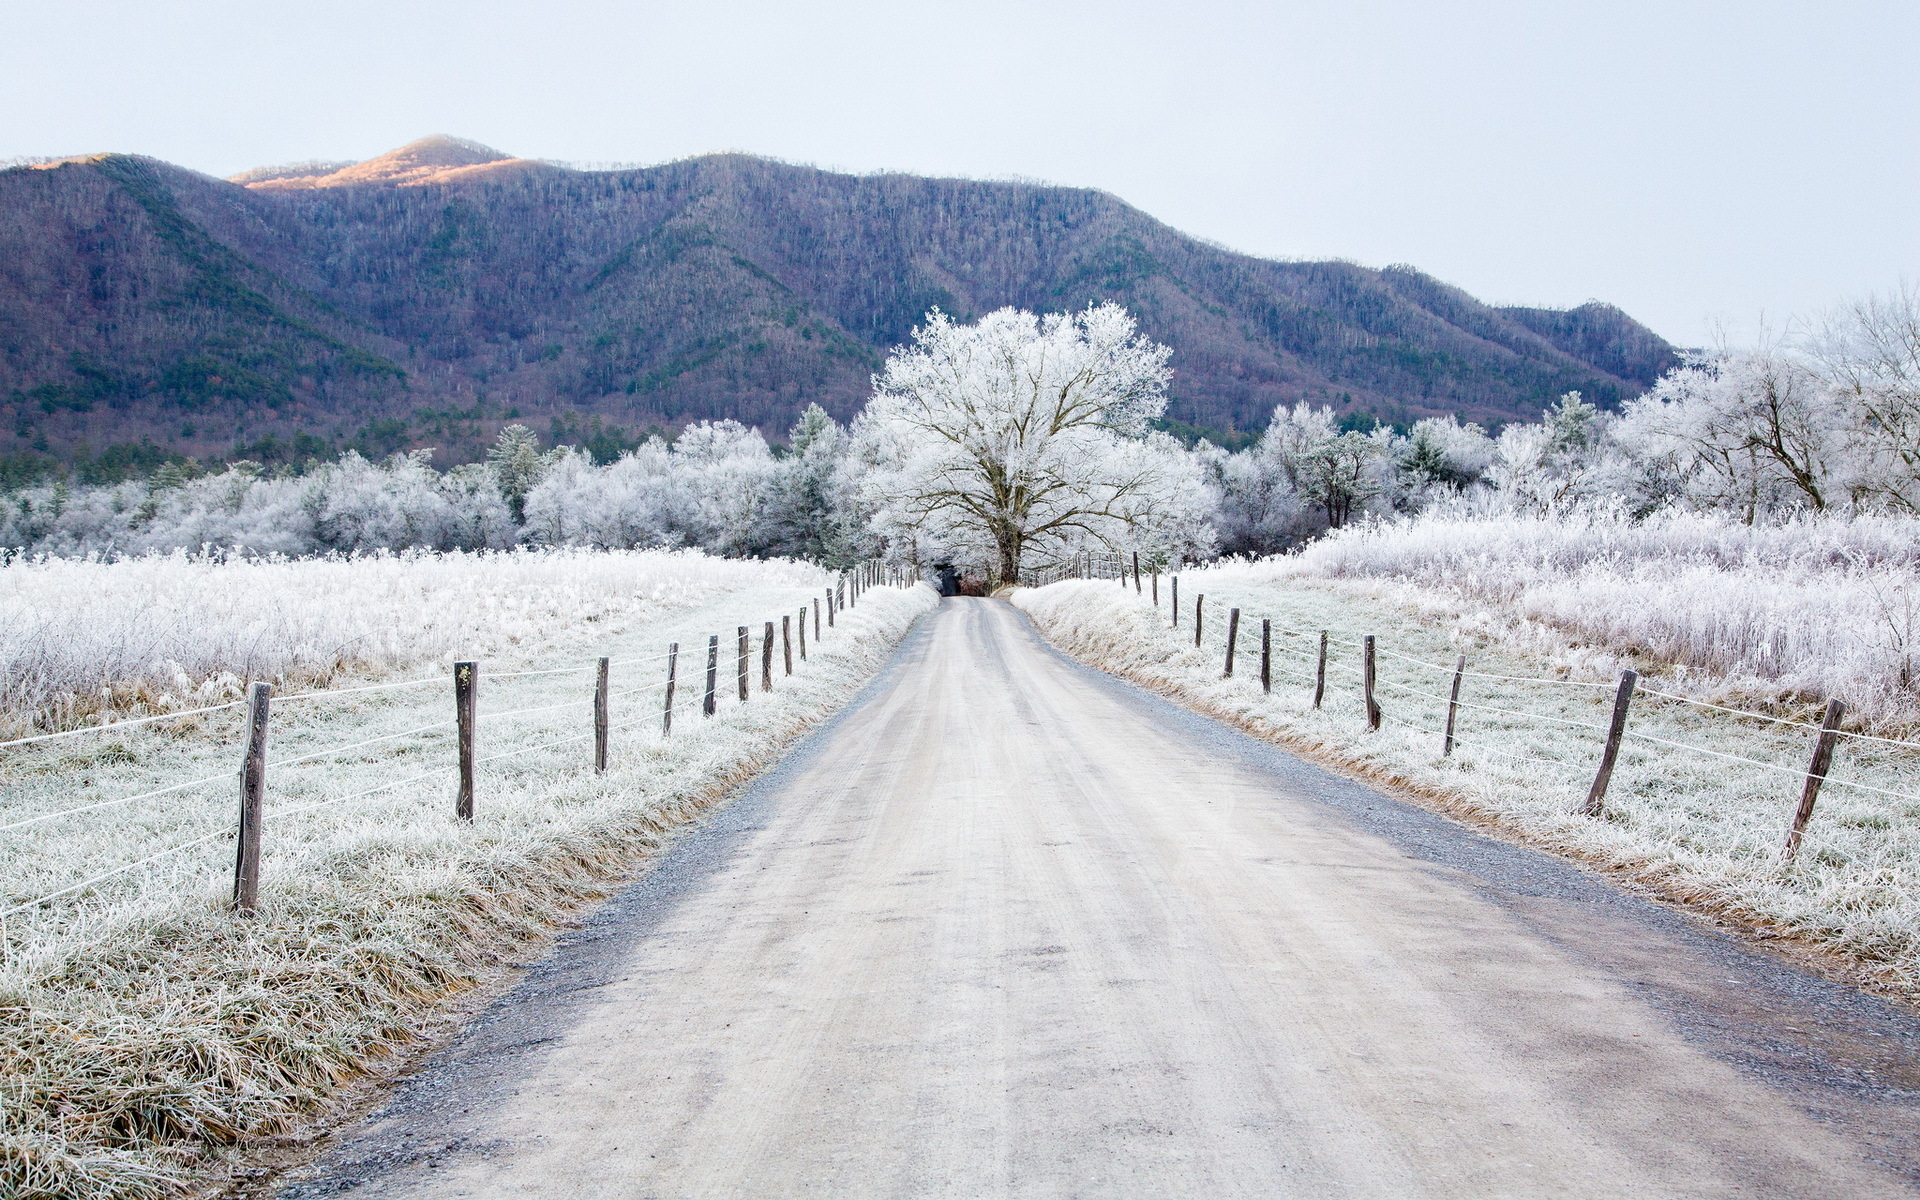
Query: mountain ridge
x=428 y=295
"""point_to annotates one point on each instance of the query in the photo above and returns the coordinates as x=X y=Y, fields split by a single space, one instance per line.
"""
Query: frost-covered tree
x=518 y=467
x=1567 y=458
x=1022 y=436
x=708 y=489
x=1751 y=432
x=1869 y=353
x=723 y=471
x=1442 y=458
x=806 y=506
x=1338 y=475
x=1260 y=511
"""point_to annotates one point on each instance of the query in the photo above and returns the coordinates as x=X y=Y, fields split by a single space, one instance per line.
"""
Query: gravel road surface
x=1009 y=927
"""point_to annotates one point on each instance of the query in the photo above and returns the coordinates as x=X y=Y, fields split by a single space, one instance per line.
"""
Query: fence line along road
x=1818 y=772
x=844 y=594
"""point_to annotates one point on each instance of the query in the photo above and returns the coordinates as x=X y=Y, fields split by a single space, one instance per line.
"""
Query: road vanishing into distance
x=1009 y=927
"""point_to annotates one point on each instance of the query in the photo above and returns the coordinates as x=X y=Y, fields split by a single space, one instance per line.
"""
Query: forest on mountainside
x=148 y=313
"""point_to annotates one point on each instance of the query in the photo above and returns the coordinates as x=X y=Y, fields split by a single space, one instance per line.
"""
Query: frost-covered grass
x=1787 y=614
x=87 y=641
x=1696 y=826
x=148 y=1037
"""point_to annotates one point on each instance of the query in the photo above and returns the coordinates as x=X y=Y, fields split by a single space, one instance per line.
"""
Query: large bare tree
x=1024 y=436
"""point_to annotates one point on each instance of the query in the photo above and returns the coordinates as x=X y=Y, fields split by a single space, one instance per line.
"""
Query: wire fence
x=682 y=686
x=1550 y=707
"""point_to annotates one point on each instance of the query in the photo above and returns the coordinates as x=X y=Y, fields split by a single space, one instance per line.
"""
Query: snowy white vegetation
x=1704 y=824
x=1023 y=438
x=150 y=1035
x=85 y=641
x=1777 y=615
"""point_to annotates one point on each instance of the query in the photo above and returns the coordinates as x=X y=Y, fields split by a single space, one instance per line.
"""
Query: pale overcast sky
x=1691 y=162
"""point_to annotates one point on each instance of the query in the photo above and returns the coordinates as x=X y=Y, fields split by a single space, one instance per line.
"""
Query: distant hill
x=427 y=296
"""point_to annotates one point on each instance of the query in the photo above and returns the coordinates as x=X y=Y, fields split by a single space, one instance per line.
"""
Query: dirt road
x=1010 y=928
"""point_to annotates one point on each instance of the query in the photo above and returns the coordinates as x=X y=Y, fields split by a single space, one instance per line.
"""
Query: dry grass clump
x=204 y=1031
x=149 y=1038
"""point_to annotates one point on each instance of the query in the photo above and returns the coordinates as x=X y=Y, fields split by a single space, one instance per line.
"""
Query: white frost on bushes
x=1789 y=613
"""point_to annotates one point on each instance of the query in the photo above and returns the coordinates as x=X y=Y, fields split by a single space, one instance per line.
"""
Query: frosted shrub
x=348 y=505
x=1797 y=611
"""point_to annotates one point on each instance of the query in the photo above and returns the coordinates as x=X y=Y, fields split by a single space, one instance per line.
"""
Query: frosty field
x=1782 y=614
x=147 y=1027
x=84 y=641
x=1701 y=825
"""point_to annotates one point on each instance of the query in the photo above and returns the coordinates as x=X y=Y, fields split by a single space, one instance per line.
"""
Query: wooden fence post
x=1199 y=616
x=1320 y=672
x=1266 y=654
x=466 y=711
x=816 y=619
x=253 y=791
x=666 y=710
x=1233 y=639
x=708 y=706
x=1176 y=600
x=1453 y=702
x=600 y=721
x=1366 y=678
x=786 y=641
x=1136 y=572
x=1616 y=729
x=802 y=623
x=1816 y=775
x=744 y=654
x=829 y=608
x=1156 y=589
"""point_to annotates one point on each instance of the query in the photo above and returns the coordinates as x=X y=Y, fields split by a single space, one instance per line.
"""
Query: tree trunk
x=1008 y=545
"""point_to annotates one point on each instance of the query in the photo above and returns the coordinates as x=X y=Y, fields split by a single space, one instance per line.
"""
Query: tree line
x=1019 y=439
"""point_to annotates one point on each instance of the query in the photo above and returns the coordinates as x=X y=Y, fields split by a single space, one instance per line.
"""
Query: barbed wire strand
x=1752 y=762
x=374 y=687
x=1525 y=716
x=127 y=724
x=486 y=674
x=521 y=712
x=385 y=737
x=116 y=871
x=1741 y=712
x=530 y=749
x=1867 y=787
x=68 y=812
x=1580 y=683
x=337 y=800
x=1460 y=741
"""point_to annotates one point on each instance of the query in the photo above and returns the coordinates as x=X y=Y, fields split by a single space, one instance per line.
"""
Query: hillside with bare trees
x=428 y=297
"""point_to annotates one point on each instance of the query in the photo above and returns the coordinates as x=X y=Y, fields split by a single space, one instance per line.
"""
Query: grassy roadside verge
x=1697 y=829
x=145 y=1050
